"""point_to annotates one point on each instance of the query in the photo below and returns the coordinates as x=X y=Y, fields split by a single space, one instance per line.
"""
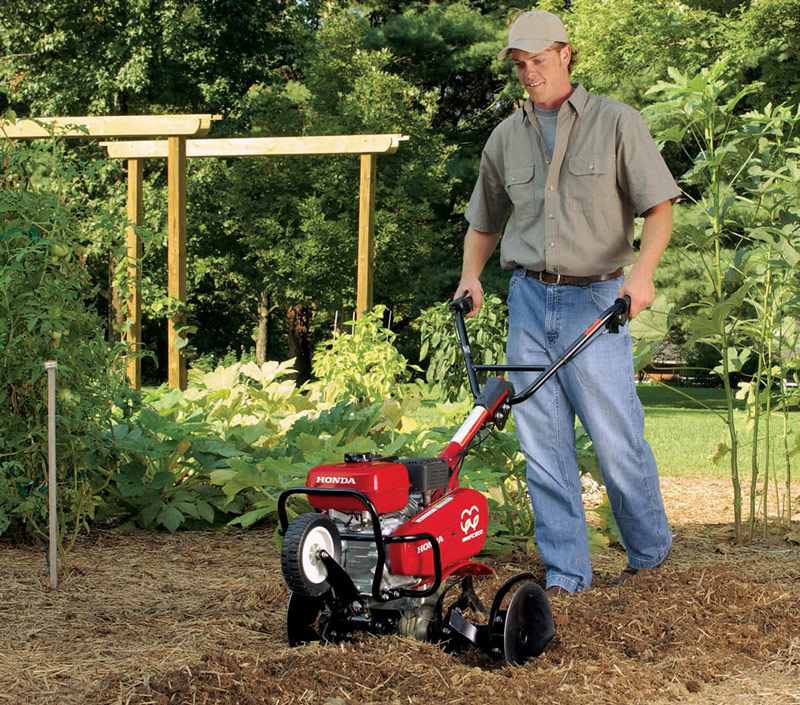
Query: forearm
x=478 y=247
x=656 y=231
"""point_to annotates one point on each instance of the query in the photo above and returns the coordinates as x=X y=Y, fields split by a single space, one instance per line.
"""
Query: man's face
x=545 y=76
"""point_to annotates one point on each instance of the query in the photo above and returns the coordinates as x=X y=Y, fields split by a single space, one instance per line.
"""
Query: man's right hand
x=472 y=286
x=478 y=247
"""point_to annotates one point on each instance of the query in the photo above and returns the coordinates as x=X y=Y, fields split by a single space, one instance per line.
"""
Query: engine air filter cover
x=427 y=474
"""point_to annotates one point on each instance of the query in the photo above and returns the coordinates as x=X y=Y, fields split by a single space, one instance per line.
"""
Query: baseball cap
x=534 y=31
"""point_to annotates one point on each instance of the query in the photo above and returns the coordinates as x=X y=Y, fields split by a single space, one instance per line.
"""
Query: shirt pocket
x=519 y=185
x=592 y=182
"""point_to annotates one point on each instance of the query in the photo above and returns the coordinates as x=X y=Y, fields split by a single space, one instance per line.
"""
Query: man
x=573 y=169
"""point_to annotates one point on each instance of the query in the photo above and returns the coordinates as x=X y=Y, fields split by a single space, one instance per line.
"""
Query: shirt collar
x=577 y=100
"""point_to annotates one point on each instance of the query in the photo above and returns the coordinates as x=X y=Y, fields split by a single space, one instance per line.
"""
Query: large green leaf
x=171 y=518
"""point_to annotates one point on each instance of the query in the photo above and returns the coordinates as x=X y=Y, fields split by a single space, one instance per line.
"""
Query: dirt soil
x=151 y=619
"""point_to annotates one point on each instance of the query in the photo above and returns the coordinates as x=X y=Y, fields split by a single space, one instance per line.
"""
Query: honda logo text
x=331 y=480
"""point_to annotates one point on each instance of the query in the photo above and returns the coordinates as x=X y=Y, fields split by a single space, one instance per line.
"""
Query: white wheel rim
x=318 y=539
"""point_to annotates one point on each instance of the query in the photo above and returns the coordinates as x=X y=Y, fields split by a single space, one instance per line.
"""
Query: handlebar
x=611 y=319
x=463 y=304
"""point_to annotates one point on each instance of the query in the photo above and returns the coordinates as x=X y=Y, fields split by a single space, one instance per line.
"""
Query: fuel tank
x=386 y=484
x=458 y=521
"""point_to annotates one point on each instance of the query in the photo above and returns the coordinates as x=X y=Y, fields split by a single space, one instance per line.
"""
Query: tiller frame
x=327 y=604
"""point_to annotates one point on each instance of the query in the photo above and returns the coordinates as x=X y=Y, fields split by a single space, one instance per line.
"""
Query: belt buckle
x=558 y=278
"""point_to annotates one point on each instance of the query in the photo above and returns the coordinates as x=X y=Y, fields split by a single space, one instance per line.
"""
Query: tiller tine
x=528 y=625
x=517 y=633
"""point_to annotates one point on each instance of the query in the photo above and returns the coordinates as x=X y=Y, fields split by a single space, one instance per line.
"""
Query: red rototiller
x=390 y=538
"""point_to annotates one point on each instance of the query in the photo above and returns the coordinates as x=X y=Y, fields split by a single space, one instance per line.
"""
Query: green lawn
x=684 y=431
x=683 y=434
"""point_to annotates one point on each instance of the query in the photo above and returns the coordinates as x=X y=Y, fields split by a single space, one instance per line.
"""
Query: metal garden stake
x=50 y=366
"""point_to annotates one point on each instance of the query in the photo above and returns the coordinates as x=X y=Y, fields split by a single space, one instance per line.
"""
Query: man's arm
x=656 y=232
x=478 y=247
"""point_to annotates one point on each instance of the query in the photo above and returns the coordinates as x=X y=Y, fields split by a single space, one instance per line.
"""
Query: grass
x=684 y=425
x=683 y=433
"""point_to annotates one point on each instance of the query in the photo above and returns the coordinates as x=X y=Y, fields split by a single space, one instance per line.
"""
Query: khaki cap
x=534 y=31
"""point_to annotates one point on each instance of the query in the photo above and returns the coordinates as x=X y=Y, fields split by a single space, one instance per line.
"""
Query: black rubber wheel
x=306 y=536
x=529 y=624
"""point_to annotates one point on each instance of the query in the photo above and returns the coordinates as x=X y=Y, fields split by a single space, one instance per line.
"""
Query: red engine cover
x=458 y=521
x=386 y=484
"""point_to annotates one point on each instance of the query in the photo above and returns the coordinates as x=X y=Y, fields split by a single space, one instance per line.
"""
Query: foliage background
x=276 y=237
x=273 y=241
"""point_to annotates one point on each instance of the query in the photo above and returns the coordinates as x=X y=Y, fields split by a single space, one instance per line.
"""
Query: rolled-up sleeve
x=489 y=204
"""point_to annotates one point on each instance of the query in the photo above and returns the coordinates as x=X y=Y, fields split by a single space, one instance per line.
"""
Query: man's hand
x=639 y=286
x=472 y=286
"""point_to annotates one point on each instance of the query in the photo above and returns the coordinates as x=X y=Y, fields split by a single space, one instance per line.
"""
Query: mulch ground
x=151 y=619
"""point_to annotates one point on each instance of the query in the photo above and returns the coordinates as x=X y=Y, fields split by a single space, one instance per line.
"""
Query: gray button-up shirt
x=572 y=213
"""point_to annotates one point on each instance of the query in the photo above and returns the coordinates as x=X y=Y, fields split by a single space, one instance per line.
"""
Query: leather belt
x=550 y=278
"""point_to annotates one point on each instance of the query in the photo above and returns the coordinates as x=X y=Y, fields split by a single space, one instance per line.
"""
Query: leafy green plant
x=363 y=365
x=163 y=478
x=46 y=314
x=487 y=332
x=184 y=445
x=740 y=184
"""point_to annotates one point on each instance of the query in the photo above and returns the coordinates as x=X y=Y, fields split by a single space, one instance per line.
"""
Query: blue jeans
x=598 y=386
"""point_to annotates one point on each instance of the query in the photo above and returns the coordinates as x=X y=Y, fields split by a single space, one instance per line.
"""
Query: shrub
x=487 y=332
x=363 y=365
x=45 y=315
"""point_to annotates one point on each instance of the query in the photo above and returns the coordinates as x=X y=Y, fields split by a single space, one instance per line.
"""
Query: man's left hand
x=639 y=286
x=655 y=236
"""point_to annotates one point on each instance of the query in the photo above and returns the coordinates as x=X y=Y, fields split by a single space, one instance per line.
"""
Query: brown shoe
x=556 y=591
x=628 y=572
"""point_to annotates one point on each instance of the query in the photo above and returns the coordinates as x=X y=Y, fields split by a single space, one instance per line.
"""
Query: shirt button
x=550 y=187
x=546 y=161
x=552 y=244
x=591 y=166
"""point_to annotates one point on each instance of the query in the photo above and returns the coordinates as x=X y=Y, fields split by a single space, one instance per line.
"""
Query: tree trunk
x=116 y=314
x=299 y=319
x=262 y=342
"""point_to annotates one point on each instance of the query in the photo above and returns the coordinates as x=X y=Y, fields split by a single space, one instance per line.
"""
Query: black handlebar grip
x=623 y=305
x=463 y=304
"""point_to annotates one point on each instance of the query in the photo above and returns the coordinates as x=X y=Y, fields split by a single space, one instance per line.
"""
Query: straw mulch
x=151 y=619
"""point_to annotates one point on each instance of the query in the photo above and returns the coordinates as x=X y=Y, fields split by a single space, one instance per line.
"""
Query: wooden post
x=135 y=218
x=367 y=146
x=366 y=234
x=52 y=503
x=176 y=251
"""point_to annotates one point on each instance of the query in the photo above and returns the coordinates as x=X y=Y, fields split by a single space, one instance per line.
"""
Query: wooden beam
x=366 y=233
x=176 y=253
x=261 y=146
x=108 y=126
x=135 y=219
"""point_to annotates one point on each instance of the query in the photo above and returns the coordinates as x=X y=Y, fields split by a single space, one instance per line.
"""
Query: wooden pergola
x=176 y=128
x=177 y=151
x=177 y=148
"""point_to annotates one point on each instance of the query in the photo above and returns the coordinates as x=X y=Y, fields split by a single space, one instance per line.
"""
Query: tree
x=286 y=226
x=625 y=46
